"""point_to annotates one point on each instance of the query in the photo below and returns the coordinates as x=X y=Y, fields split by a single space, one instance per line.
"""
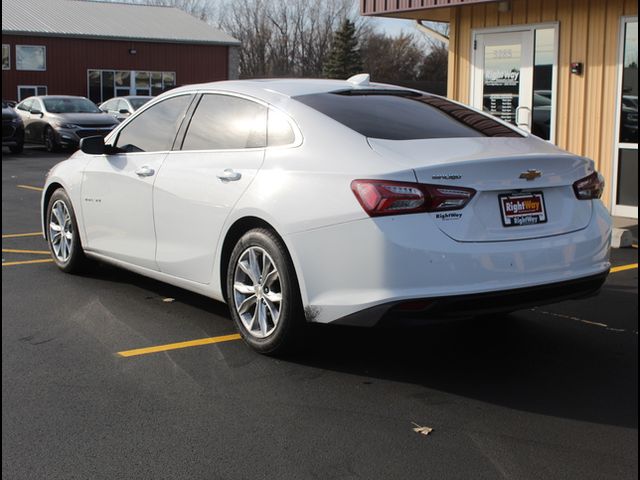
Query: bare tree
x=391 y=59
x=202 y=9
x=285 y=37
x=246 y=20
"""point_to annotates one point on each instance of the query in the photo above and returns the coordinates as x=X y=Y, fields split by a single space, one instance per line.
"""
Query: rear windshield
x=404 y=115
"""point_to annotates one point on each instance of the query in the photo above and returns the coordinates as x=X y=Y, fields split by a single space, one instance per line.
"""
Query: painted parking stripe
x=176 y=346
x=229 y=338
x=27 y=262
x=30 y=187
x=622 y=268
x=34 y=252
x=16 y=235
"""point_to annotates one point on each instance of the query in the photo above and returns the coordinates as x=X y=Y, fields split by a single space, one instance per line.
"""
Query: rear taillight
x=383 y=197
x=589 y=188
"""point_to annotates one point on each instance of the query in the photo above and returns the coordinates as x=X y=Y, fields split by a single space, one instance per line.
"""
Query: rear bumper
x=355 y=272
x=456 y=306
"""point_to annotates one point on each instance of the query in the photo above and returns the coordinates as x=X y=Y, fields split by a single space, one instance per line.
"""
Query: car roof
x=44 y=97
x=272 y=88
x=129 y=97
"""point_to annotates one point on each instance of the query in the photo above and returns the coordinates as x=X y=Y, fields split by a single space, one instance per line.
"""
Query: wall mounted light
x=576 y=68
x=132 y=51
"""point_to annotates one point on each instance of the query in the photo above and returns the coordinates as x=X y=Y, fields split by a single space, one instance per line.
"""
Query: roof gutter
x=432 y=33
x=123 y=39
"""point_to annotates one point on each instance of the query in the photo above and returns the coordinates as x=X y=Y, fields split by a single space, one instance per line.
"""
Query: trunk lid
x=493 y=167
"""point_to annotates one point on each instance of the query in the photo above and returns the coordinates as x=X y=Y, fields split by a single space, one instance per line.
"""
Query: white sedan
x=331 y=201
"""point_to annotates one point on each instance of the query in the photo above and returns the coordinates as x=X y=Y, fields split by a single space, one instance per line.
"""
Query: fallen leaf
x=422 y=430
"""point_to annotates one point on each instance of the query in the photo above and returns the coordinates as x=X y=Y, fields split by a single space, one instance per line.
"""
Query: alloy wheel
x=61 y=231
x=257 y=292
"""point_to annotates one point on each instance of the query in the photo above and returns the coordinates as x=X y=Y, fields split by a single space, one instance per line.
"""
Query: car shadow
x=524 y=361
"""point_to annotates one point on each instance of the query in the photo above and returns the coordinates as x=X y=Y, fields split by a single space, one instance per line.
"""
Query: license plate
x=519 y=209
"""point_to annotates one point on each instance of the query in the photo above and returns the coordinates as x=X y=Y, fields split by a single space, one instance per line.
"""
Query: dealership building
x=105 y=49
x=567 y=70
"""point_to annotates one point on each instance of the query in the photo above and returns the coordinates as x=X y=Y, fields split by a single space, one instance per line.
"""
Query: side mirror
x=93 y=145
x=35 y=111
x=124 y=111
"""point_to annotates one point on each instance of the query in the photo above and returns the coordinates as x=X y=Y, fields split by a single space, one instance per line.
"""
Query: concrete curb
x=621 y=238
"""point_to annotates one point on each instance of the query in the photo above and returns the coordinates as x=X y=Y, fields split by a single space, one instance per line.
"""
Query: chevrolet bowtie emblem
x=531 y=175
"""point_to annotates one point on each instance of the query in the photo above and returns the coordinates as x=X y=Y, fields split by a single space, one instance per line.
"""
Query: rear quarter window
x=405 y=116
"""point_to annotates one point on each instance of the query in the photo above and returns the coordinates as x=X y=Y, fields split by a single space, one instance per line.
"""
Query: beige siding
x=589 y=33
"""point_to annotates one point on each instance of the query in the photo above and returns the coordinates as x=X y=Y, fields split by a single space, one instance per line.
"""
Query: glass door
x=503 y=81
x=625 y=185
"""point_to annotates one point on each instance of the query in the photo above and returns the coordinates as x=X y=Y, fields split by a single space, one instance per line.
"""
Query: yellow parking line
x=175 y=346
x=29 y=187
x=16 y=235
x=27 y=262
x=235 y=336
x=622 y=268
x=35 y=252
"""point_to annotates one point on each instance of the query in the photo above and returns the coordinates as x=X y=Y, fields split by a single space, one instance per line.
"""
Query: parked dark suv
x=12 y=128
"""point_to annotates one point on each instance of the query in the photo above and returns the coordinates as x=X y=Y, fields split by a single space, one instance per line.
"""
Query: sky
x=393 y=26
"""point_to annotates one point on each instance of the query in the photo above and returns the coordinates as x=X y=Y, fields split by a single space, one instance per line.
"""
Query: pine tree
x=344 y=58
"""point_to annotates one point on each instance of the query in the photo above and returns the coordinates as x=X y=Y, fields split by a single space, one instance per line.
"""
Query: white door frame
x=620 y=210
x=477 y=72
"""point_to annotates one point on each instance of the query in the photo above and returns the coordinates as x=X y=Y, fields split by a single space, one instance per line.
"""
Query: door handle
x=229 y=175
x=145 y=171
x=527 y=123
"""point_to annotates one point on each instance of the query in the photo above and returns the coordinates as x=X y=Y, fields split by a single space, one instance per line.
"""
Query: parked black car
x=62 y=121
x=12 y=129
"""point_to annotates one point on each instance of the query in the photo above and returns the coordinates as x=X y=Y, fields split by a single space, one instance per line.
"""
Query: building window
x=142 y=83
x=26 y=91
x=123 y=84
x=543 y=91
x=6 y=56
x=105 y=84
x=629 y=100
x=31 y=57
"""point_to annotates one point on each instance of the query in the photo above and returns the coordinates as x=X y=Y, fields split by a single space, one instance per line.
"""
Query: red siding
x=378 y=7
x=68 y=60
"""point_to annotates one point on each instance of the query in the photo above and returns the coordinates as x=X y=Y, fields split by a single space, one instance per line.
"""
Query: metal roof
x=107 y=20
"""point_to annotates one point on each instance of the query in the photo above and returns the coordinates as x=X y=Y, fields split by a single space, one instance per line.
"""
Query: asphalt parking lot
x=548 y=393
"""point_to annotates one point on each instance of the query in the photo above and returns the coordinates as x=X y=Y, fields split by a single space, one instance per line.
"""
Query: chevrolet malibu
x=62 y=120
x=331 y=201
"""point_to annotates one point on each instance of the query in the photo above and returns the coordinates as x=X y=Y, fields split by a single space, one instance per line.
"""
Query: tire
x=67 y=252
x=50 y=140
x=16 y=149
x=265 y=306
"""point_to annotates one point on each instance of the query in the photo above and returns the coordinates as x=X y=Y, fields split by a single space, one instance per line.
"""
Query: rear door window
x=224 y=122
x=279 y=131
x=397 y=115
